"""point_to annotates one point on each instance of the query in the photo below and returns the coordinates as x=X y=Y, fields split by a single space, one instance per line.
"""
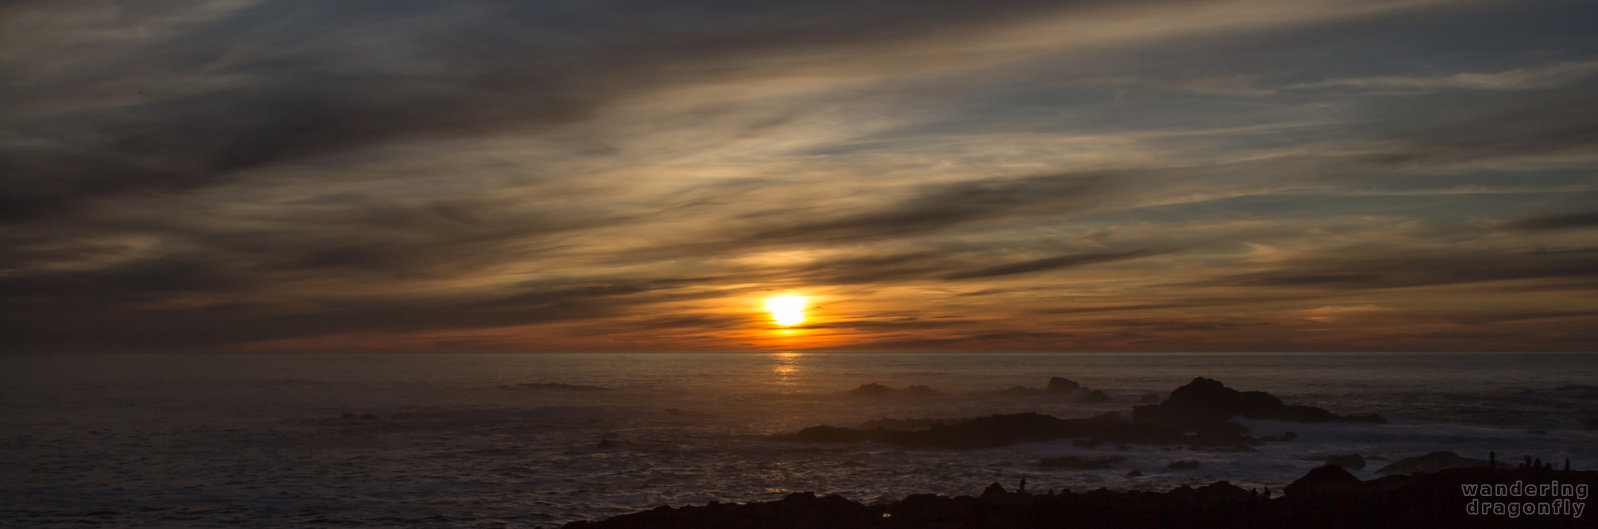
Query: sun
x=787 y=310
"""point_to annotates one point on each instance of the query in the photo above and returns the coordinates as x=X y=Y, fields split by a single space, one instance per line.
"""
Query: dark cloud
x=1554 y=222
x=323 y=78
x=1379 y=268
x=1050 y=263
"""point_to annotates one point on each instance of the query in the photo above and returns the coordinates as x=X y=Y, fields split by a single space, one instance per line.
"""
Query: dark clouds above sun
x=626 y=175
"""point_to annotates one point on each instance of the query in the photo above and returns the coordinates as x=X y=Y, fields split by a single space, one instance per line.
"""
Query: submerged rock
x=1432 y=462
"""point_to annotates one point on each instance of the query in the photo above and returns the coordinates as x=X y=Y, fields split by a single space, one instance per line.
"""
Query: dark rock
x=1221 y=491
x=607 y=443
x=898 y=424
x=1017 y=391
x=1000 y=430
x=1182 y=465
x=1205 y=401
x=826 y=434
x=1134 y=474
x=1094 y=397
x=1325 y=498
x=871 y=390
x=1326 y=479
x=1432 y=462
x=1081 y=463
x=1063 y=386
x=1351 y=461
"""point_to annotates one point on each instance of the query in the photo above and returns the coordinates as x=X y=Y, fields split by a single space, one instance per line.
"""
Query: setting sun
x=787 y=310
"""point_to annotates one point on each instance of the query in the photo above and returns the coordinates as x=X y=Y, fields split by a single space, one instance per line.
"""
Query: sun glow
x=787 y=310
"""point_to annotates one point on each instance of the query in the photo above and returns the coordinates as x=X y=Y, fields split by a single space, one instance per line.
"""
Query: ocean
x=540 y=439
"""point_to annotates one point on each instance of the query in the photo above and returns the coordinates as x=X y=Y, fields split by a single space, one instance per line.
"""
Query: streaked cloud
x=486 y=175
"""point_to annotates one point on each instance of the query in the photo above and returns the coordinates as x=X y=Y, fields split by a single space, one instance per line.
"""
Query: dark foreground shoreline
x=1326 y=497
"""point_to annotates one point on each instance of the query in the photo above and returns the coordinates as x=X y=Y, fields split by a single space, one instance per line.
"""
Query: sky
x=638 y=175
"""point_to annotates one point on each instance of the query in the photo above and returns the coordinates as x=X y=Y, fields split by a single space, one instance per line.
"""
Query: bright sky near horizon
x=642 y=175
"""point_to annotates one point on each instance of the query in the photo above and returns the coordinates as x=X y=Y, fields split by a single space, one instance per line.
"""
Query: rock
x=898 y=424
x=1017 y=391
x=1205 y=401
x=1222 y=491
x=875 y=390
x=1351 y=461
x=606 y=443
x=871 y=390
x=1062 y=386
x=1000 y=430
x=1326 y=479
x=1432 y=462
x=1182 y=465
x=826 y=434
x=1094 y=397
x=1134 y=474
x=1325 y=498
x=1081 y=463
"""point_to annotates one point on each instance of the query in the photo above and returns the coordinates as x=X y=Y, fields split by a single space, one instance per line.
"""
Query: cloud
x=1554 y=222
x=1551 y=75
x=1050 y=263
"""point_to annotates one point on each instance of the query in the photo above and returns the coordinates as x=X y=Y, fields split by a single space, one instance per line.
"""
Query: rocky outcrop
x=1351 y=461
x=1001 y=430
x=1205 y=401
x=1062 y=386
x=1327 y=497
x=1324 y=480
x=1432 y=462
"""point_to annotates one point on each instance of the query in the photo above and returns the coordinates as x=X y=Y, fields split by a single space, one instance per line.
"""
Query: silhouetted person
x=1492 y=460
x=1267 y=492
x=1021 y=489
x=1567 y=464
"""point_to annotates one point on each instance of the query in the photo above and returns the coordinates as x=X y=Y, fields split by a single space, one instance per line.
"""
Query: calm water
x=456 y=440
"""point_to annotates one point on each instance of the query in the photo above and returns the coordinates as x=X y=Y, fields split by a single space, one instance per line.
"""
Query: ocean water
x=514 y=440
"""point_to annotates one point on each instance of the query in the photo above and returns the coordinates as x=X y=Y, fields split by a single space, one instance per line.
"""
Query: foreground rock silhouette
x=1327 y=497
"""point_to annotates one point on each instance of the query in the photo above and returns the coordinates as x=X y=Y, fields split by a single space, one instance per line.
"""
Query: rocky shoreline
x=1326 y=497
x=1422 y=491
